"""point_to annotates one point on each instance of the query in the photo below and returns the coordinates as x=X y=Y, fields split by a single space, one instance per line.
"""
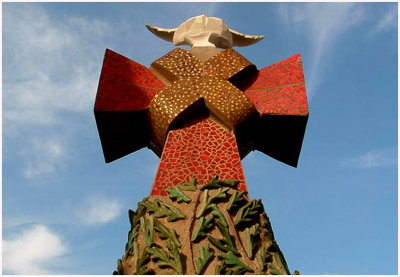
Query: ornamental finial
x=201 y=31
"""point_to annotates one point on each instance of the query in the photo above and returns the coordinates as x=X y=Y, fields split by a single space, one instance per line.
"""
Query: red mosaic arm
x=279 y=96
x=125 y=90
x=125 y=85
x=280 y=89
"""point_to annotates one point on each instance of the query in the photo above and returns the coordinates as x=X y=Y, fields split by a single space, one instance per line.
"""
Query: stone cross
x=201 y=110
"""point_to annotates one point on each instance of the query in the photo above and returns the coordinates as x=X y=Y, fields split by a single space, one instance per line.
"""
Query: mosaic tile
x=178 y=63
x=125 y=90
x=201 y=149
x=125 y=85
x=226 y=64
x=228 y=102
x=191 y=80
x=169 y=103
x=280 y=89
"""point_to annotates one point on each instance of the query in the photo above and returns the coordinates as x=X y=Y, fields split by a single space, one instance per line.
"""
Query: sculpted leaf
x=215 y=183
x=235 y=200
x=178 y=195
x=251 y=237
x=203 y=225
x=208 y=200
x=263 y=257
x=272 y=270
x=225 y=244
x=141 y=263
x=232 y=261
x=248 y=211
x=164 y=259
x=165 y=233
x=162 y=209
x=205 y=256
x=191 y=186
x=175 y=257
x=280 y=260
x=148 y=233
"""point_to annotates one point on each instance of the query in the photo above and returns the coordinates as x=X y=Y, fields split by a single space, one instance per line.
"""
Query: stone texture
x=189 y=249
x=204 y=31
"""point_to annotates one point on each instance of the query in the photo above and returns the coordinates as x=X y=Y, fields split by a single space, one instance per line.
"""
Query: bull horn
x=239 y=39
x=163 y=33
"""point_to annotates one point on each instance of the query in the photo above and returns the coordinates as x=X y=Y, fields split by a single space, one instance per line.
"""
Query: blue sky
x=65 y=210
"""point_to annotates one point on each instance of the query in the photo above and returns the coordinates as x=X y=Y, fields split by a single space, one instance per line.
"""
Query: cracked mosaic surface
x=226 y=64
x=224 y=99
x=280 y=89
x=125 y=85
x=201 y=149
x=125 y=90
x=227 y=100
x=150 y=109
x=193 y=79
x=177 y=64
x=169 y=103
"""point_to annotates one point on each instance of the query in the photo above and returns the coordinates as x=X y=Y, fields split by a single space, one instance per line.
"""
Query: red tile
x=204 y=161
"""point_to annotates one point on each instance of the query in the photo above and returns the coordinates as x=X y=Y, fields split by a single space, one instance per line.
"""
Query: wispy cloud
x=43 y=156
x=33 y=251
x=387 y=22
x=50 y=65
x=324 y=23
x=372 y=159
x=10 y=222
x=99 y=210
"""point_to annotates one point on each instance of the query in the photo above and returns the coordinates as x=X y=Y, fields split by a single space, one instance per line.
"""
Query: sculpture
x=201 y=110
x=200 y=31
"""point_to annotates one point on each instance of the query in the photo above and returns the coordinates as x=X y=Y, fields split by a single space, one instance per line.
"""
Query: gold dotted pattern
x=226 y=101
x=171 y=101
x=191 y=80
x=226 y=64
x=177 y=64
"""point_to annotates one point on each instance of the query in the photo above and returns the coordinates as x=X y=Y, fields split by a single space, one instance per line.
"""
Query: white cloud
x=43 y=157
x=99 y=210
x=324 y=23
x=50 y=65
x=33 y=251
x=387 y=22
x=374 y=158
x=10 y=222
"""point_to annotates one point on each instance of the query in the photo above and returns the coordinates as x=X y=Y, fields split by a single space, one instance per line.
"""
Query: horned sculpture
x=200 y=31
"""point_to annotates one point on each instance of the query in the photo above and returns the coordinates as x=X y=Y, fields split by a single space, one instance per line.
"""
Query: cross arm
x=279 y=95
x=125 y=90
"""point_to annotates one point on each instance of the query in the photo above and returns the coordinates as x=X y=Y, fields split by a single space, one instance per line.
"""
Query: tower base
x=201 y=229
